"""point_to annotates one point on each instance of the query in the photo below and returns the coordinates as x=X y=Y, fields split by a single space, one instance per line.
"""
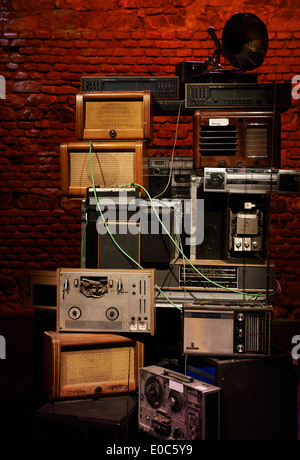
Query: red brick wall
x=46 y=46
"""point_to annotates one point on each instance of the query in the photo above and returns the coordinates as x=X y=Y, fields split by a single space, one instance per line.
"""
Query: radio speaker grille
x=96 y=365
x=113 y=164
x=89 y=365
x=109 y=168
x=236 y=139
x=254 y=330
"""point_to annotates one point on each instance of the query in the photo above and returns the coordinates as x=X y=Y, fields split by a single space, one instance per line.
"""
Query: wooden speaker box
x=119 y=115
x=113 y=164
x=90 y=365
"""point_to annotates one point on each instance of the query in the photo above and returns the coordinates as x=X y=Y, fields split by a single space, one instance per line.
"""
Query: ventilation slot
x=218 y=141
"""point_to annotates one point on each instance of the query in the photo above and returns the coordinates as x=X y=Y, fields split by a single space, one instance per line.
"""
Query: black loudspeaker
x=213 y=245
x=157 y=249
x=128 y=238
x=259 y=396
x=141 y=237
x=158 y=184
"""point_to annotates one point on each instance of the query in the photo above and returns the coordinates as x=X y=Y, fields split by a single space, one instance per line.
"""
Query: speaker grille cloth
x=114 y=115
x=109 y=168
x=97 y=365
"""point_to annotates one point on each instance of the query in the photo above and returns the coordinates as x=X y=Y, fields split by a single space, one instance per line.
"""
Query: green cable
x=184 y=256
x=167 y=232
x=112 y=237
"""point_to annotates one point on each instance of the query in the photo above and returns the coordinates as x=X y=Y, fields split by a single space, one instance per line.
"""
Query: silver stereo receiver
x=173 y=406
x=250 y=180
x=94 y=300
x=227 y=329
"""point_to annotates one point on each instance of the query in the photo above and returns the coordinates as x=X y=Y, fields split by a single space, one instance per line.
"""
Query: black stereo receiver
x=161 y=87
x=264 y=95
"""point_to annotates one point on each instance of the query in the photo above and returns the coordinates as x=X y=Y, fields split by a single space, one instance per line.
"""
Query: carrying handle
x=178 y=376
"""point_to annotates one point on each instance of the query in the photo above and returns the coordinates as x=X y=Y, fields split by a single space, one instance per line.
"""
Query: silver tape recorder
x=173 y=406
x=100 y=300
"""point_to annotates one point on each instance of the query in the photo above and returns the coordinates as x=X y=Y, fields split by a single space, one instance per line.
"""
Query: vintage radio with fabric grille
x=113 y=164
x=90 y=365
x=119 y=115
x=236 y=138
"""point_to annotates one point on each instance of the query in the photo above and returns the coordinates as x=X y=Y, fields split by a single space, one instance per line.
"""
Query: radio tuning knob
x=240 y=317
x=74 y=313
x=97 y=392
x=112 y=133
x=240 y=348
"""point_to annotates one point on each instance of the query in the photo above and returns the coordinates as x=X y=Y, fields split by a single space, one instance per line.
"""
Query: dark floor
x=20 y=385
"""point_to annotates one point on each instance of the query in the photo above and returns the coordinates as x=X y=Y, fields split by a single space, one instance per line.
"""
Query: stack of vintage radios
x=106 y=308
x=113 y=129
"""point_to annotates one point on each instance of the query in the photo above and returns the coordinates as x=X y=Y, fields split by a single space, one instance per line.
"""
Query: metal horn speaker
x=245 y=41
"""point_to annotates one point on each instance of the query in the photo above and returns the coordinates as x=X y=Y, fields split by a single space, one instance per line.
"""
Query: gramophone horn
x=245 y=41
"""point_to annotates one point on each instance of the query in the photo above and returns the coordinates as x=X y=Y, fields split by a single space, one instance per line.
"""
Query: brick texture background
x=46 y=45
